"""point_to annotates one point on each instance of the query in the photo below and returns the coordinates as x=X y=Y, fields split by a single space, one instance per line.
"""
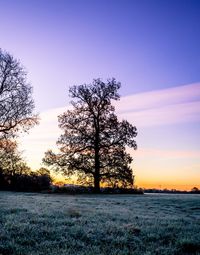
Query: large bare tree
x=93 y=143
x=16 y=103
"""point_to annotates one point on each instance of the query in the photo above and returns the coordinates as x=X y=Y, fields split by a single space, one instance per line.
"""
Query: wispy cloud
x=164 y=115
x=159 y=98
x=166 y=154
x=162 y=107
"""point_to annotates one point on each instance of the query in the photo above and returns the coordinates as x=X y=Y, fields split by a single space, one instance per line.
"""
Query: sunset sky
x=151 y=46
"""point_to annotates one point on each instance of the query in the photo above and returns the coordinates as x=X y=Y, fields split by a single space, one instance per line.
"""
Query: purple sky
x=146 y=45
x=149 y=45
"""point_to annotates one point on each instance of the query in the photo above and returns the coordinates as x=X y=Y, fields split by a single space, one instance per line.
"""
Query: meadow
x=149 y=224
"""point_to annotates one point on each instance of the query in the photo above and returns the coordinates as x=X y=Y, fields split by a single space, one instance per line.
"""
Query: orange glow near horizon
x=146 y=183
x=167 y=185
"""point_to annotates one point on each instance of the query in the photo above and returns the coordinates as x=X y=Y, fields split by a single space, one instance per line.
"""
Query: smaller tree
x=12 y=165
x=93 y=143
x=45 y=176
x=11 y=161
x=195 y=190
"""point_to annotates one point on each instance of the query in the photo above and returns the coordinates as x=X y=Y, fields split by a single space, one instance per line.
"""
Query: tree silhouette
x=11 y=161
x=16 y=175
x=16 y=103
x=93 y=141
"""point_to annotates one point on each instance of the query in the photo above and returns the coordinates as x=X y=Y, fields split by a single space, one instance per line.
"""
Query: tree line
x=93 y=142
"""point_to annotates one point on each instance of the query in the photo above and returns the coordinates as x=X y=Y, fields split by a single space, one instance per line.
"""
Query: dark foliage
x=78 y=189
x=14 y=172
x=195 y=190
x=24 y=182
x=93 y=142
x=172 y=191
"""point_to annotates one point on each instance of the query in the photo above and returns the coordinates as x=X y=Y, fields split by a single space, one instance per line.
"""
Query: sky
x=150 y=46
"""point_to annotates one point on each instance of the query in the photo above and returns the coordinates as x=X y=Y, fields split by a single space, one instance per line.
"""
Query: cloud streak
x=160 y=98
x=162 y=107
x=166 y=154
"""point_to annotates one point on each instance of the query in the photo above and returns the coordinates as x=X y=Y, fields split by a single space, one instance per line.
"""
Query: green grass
x=34 y=224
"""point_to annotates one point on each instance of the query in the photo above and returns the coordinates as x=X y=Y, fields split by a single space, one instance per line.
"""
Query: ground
x=150 y=224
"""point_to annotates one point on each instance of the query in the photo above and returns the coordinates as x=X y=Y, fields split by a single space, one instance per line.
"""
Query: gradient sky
x=151 y=46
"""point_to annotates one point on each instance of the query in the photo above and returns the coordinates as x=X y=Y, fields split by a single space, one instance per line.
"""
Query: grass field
x=150 y=224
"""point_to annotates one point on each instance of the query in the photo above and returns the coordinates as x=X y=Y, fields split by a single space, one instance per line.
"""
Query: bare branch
x=16 y=103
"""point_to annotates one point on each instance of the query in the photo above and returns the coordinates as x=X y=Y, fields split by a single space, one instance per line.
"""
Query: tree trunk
x=96 y=183
x=97 y=172
x=97 y=161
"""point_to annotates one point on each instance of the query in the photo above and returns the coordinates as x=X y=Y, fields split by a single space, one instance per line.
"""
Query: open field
x=34 y=224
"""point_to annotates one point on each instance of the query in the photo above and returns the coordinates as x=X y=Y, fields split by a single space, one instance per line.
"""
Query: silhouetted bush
x=3 y=182
x=172 y=191
x=25 y=182
x=77 y=189
x=122 y=191
x=195 y=190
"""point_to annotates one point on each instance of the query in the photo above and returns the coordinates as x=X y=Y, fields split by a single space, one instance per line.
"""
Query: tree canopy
x=16 y=103
x=14 y=172
x=11 y=161
x=93 y=143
